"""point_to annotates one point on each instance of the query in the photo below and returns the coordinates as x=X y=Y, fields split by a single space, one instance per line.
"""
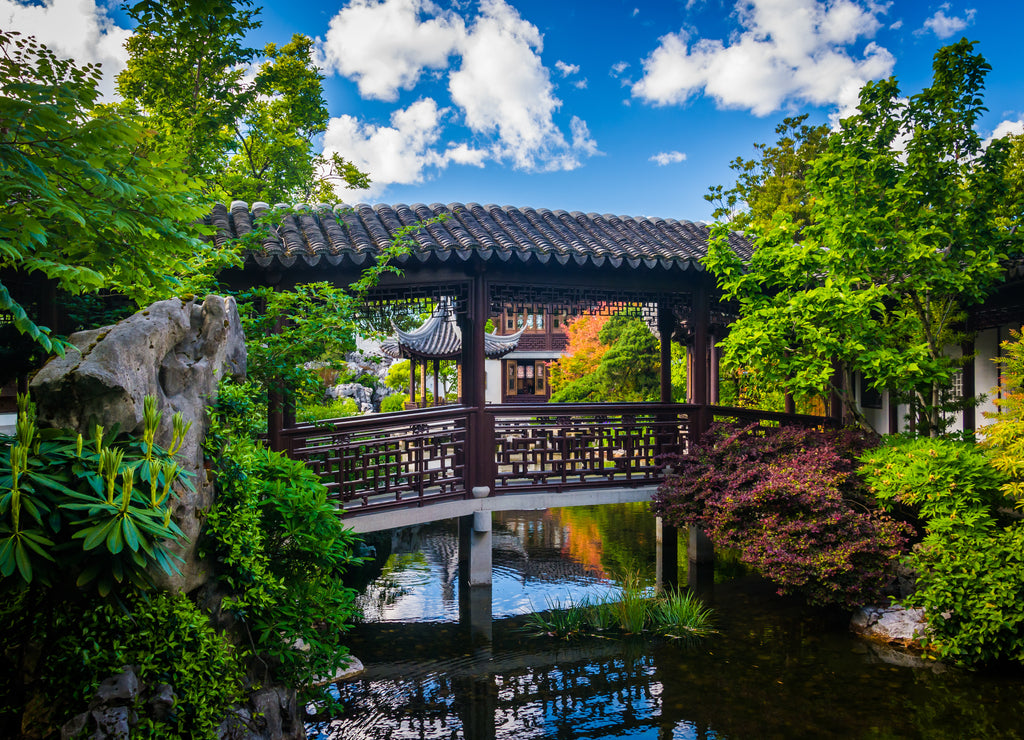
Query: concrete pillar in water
x=666 y=556
x=475 y=548
x=475 y=575
x=700 y=561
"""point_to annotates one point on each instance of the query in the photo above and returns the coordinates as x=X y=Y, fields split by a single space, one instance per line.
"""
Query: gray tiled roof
x=331 y=236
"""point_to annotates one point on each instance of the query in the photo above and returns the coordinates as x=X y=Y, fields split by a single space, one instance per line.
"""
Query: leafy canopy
x=907 y=227
x=250 y=139
x=86 y=201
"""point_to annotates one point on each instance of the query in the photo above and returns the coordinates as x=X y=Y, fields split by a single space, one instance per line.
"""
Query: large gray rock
x=362 y=395
x=175 y=350
x=895 y=625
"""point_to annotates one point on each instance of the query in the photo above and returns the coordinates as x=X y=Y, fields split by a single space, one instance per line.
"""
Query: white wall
x=493 y=380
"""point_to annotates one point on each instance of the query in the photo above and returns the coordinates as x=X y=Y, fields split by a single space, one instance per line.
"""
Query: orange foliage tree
x=583 y=353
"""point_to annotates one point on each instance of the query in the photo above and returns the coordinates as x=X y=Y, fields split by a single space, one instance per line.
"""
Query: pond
x=776 y=669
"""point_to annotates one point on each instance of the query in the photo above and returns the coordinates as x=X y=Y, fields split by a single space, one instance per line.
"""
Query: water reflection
x=776 y=670
x=540 y=558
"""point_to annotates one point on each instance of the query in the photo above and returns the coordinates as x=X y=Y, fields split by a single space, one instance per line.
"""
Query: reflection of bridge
x=506 y=688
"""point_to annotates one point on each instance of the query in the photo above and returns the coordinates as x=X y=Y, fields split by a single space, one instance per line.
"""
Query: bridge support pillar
x=666 y=568
x=700 y=562
x=475 y=549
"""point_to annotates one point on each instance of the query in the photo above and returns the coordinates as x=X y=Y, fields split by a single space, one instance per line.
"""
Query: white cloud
x=566 y=69
x=636 y=12
x=465 y=154
x=666 y=158
x=400 y=153
x=384 y=46
x=496 y=78
x=618 y=68
x=580 y=84
x=945 y=26
x=75 y=29
x=787 y=52
x=1006 y=128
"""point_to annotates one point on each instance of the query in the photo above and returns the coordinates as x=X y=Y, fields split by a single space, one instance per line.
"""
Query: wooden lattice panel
x=387 y=460
x=574 y=446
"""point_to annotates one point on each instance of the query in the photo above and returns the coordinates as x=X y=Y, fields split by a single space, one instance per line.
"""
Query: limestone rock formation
x=176 y=350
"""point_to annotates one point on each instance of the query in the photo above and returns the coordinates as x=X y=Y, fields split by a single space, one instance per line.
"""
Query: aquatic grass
x=635 y=610
x=561 y=621
x=682 y=612
x=634 y=606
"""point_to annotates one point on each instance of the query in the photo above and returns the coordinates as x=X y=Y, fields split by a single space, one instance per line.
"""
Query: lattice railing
x=555 y=447
x=383 y=461
x=767 y=419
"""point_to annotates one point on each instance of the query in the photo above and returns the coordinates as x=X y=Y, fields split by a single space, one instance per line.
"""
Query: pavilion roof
x=331 y=236
x=439 y=338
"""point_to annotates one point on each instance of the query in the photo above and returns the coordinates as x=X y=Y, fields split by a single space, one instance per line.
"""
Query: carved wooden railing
x=380 y=461
x=567 y=446
x=418 y=457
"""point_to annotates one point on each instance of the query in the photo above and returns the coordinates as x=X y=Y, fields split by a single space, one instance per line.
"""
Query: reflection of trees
x=392 y=583
x=613 y=540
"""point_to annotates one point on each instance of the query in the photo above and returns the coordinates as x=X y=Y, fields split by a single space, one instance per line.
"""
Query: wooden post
x=423 y=384
x=437 y=372
x=969 y=417
x=480 y=470
x=701 y=325
x=835 y=410
x=666 y=323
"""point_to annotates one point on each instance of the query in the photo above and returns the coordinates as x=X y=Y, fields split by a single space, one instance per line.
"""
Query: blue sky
x=625 y=107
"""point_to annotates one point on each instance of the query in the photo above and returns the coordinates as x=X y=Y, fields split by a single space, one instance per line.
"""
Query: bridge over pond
x=488 y=262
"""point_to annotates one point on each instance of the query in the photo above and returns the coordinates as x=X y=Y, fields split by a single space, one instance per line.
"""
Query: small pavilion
x=439 y=338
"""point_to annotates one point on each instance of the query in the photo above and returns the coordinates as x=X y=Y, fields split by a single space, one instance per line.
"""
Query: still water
x=776 y=669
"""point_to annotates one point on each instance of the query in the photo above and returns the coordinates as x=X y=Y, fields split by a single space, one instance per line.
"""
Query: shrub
x=789 y=502
x=278 y=544
x=1004 y=439
x=165 y=637
x=338 y=408
x=394 y=402
x=970 y=565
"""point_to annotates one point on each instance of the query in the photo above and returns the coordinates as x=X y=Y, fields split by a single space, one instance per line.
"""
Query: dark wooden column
x=969 y=416
x=437 y=373
x=701 y=335
x=412 y=382
x=480 y=440
x=666 y=323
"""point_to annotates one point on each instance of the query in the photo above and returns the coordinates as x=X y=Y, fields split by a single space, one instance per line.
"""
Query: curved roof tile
x=322 y=235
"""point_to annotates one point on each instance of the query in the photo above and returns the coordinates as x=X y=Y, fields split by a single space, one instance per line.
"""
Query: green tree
x=186 y=65
x=905 y=230
x=274 y=157
x=774 y=181
x=618 y=360
x=86 y=202
x=250 y=140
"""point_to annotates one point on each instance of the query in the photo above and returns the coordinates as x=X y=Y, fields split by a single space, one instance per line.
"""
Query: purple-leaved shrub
x=790 y=501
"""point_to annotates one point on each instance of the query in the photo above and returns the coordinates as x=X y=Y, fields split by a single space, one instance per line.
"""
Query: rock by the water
x=175 y=350
x=895 y=625
x=352 y=668
x=272 y=714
